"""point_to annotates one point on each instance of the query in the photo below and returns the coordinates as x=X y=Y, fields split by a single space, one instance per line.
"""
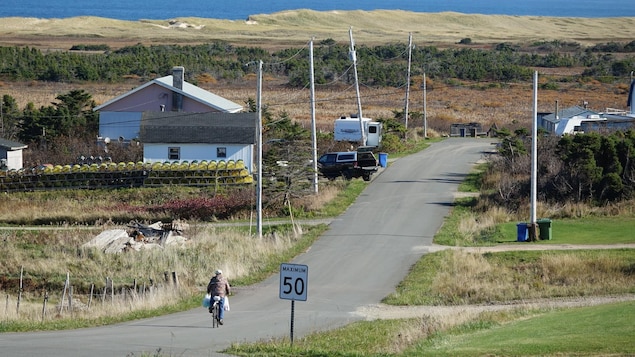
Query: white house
x=120 y=117
x=559 y=123
x=173 y=136
x=581 y=120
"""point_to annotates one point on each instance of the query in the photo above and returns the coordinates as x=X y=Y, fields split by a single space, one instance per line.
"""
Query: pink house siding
x=151 y=99
x=120 y=117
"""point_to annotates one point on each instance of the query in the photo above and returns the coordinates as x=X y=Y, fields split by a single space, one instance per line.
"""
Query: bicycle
x=215 y=310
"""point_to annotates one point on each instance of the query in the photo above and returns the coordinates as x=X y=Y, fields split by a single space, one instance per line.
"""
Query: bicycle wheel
x=215 y=314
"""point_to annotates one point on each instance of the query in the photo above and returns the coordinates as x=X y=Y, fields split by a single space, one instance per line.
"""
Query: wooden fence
x=69 y=302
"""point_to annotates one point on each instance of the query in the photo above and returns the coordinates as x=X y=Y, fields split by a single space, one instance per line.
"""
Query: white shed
x=11 y=154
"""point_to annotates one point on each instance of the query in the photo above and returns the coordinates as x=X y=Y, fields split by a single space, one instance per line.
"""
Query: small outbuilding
x=467 y=130
x=11 y=155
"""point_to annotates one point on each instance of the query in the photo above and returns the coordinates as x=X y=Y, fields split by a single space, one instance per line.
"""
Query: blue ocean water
x=241 y=9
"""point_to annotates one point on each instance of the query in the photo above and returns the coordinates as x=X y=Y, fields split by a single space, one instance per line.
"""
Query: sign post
x=294 y=283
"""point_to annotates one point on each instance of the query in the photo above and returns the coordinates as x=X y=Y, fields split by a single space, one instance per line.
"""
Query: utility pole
x=313 y=134
x=425 y=107
x=405 y=112
x=259 y=130
x=534 y=161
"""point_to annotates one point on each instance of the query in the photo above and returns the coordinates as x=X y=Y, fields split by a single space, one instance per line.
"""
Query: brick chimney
x=178 y=77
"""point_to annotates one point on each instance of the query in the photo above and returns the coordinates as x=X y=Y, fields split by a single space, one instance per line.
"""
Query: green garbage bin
x=544 y=225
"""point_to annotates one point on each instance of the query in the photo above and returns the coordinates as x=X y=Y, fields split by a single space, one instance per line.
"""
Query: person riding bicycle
x=219 y=286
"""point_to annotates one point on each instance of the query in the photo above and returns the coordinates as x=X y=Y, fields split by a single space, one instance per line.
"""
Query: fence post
x=46 y=298
x=103 y=295
x=90 y=298
x=175 y=279
x=70 y=300
x=66 y=283
x=17 y=308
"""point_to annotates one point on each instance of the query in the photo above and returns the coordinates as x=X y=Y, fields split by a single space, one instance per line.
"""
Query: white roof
x=567 y=125
x=189 y=90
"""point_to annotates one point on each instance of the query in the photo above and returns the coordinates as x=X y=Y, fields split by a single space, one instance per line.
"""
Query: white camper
x=348 y=129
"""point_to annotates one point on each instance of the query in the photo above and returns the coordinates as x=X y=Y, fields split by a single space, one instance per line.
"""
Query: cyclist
x=219 y=286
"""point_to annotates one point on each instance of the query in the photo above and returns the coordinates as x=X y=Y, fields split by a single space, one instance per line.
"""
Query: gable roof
x=11 y=145
x=189 y=90
x=198 y=128
x=569 y=113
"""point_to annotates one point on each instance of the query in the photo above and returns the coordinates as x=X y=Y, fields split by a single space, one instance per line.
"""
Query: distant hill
x=297 y=27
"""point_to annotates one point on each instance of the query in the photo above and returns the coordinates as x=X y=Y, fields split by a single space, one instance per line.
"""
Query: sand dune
x=299 y=26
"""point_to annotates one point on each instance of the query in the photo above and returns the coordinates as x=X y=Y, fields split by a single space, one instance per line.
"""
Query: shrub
x=221 y=206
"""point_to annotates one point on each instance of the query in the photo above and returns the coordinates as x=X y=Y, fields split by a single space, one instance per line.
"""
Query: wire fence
x=108 y=296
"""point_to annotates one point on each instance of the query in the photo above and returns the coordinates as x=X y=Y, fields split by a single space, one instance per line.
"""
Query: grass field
x=602 y=330
x=587 y=230
x=590 y=331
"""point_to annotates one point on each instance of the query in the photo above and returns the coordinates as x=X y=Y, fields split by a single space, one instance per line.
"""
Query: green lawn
x=588 y=331
x=602 y=330
x=588 y=230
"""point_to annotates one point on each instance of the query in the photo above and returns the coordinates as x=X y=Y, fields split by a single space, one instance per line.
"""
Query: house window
x=174 y=153
x=221 y=152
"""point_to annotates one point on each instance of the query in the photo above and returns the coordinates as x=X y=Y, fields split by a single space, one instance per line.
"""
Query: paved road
x=356 y=262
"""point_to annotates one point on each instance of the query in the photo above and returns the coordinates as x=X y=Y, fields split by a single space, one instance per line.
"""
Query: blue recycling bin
x=521 y=229
x=383 y=159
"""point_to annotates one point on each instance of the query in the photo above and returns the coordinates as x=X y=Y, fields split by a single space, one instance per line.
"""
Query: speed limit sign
x=294 y=279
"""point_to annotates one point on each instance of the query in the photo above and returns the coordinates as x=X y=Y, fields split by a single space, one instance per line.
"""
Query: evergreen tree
x=10 y=115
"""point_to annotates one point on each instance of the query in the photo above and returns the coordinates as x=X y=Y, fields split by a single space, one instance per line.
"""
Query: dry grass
x=315 y=203
x=476 y=278
x=236 y=252
x=34 y=311
x=445 y=104
x=472 y=224
x=47 y=256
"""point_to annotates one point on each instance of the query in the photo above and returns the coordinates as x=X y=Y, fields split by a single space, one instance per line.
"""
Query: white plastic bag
x=226 y=305
x=206 y=300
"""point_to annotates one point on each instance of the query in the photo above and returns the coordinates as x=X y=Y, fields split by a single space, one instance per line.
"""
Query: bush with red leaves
x=221 y=206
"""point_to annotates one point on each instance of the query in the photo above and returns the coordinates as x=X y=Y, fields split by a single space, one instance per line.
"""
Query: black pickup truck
x=348 y=164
